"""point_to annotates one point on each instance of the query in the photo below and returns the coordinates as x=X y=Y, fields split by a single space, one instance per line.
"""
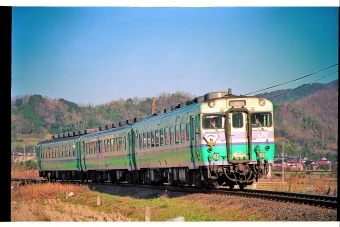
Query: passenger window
x=172 y=134
x=187 y=131
x=144 y=140
x=120 y=143
x=161 y=137
x=167 y=137
x=152 y=138
x=140 y=138
x=182 y=133
x=148 y=139
x=157 y=137
x=177 y=133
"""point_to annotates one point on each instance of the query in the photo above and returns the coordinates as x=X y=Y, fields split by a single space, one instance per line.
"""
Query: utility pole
x=283 y=155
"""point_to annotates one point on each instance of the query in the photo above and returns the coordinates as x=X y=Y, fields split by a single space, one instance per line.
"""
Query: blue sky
x=99 y=54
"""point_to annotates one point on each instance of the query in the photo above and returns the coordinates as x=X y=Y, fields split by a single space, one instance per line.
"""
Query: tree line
x=306 y=117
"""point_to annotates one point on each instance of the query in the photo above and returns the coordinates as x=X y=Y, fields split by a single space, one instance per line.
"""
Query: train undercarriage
x=203 y=177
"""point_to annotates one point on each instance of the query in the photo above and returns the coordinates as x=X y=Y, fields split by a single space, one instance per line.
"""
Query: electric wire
x=302 y=86
x=293 y=80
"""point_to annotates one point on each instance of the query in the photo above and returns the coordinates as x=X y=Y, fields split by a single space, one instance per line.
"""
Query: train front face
x=237 y=139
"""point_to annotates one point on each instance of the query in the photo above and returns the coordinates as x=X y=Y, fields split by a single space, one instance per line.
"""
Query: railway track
x=326 y=201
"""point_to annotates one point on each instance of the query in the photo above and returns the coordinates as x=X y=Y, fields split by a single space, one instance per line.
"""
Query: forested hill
x=306 y=116
x=301 y=92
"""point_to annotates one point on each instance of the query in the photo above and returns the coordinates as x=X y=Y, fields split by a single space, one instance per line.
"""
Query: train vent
x=140 y=118
x=70 y=134
x=81 y=132
x=130 y=121
x=103 y=127
x=115 y=124
x=213 y=95
x=91 y=130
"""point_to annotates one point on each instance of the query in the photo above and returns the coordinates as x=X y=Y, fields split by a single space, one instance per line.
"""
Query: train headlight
x=216 y=156
x=211 y=103
x=262 y=102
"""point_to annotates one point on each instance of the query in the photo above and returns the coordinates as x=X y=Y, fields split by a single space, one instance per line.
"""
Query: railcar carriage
x=239 y=146
x=106 y=155
x=217 y=140
x=166 y=147
x=58 y=159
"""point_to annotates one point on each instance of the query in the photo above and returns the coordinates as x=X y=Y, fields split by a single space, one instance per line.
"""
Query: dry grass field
x=48 y=202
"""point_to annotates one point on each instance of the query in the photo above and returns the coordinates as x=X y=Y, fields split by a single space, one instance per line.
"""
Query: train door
x=238 y=135
x=194 y=139
x=131 y=151
x=79 y=155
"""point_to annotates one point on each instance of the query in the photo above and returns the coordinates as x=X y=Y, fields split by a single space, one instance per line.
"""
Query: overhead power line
x=293 y=80
x=302 y=85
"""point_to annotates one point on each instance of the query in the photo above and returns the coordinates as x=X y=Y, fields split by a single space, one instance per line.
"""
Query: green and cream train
x=214 y=140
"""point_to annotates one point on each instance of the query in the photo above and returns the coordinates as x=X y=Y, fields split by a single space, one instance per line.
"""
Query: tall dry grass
x=45 y=191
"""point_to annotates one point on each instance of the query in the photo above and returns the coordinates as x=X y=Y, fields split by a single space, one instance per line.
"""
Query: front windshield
x=213 y=121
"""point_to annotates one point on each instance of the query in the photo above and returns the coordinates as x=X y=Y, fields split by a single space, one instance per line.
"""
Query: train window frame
x=161 y=137
x=182 y=132
x=262 y=121
x=148 y=140
x=124 y=142
x=167 y=136
x=220 y=121
x=157 y=137
x=177 y=134
x=120 y=143
x=152 y=134
x=140 y=141
x=144 y=140
x=187 y=131
x=172 y=136
x=237 y=122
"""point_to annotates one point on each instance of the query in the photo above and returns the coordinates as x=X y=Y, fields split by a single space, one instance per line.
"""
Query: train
x=211 y=141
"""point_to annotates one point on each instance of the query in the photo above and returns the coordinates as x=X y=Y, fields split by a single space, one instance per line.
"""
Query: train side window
x=157 y=137
x=140 y=139
x=144 y=140
x=148 y=139
x=124 y=142
x=182 y=133
x=108 y=146
x=177 y=130
x=161 y=137
x=187 y=131
x=74 y=150
x=120 y=143
x=152 y=138
x=113 y=144
x=166 y=135
x=172 y=132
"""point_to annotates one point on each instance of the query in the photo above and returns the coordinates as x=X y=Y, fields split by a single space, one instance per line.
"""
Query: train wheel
x=231 y=186
x=241 y=186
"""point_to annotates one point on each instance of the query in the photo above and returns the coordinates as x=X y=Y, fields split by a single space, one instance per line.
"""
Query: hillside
x=306 y=116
